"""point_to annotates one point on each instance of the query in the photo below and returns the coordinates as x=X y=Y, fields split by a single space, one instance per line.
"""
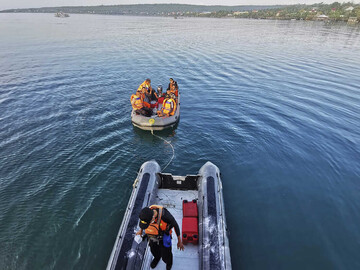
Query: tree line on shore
x=335 y=11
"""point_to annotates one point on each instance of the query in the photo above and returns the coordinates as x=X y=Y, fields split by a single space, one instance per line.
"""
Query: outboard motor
x=159 y=90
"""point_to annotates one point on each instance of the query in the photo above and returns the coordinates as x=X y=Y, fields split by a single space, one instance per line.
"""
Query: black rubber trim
x=122 y=259
x=212 y=213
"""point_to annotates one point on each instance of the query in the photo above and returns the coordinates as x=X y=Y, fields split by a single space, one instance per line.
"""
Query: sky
x=7 y=4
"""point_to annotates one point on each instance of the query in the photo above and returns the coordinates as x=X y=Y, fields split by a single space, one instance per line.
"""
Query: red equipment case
x=190 y=232
x=190 y=209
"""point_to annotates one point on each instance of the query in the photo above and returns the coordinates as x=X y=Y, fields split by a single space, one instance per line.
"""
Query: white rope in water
x=172 y=147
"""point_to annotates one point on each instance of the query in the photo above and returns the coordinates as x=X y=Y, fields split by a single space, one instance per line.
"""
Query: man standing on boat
x=157 y=222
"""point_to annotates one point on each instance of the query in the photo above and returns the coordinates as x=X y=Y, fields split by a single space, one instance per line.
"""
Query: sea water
x=274 y=104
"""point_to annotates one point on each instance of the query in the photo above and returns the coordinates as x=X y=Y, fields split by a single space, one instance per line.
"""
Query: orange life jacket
x=169 y=106
x=174 y=89
x=145 y=104
x=158 y=226
x=138 y=103
x=144 y=84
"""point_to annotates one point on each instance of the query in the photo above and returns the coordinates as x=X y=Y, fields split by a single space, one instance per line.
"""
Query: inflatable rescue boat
x=195 y=201
x=155 y=122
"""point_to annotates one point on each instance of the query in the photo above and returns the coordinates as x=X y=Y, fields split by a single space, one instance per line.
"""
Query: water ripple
x=275 y=104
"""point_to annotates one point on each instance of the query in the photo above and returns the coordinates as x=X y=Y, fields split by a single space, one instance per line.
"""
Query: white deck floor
x=189 y=258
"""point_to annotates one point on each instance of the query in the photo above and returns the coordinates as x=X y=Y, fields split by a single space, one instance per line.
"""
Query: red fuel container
x=190 y=232
x=190 y=209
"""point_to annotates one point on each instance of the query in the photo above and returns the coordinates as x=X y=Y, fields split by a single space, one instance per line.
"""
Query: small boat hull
x=154 y=187
x=155 y=122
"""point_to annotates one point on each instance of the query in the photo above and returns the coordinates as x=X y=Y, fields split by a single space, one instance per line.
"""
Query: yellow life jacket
x=169 y=106
x=158 y=226
x=138 y=103
x=144 y=84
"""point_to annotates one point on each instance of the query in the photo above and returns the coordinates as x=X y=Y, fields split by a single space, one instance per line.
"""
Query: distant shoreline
x=188 y=17
x=336 y=12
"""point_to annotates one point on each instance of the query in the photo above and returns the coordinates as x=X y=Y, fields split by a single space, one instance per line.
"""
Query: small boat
x=153 y=187
x=61 y=15
x=155 y=122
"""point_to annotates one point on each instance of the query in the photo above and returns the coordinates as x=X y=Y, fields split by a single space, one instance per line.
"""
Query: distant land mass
x=345 y=12
x=140 y=9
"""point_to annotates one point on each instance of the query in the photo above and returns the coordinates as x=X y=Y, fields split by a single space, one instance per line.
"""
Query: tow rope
x=169 y=143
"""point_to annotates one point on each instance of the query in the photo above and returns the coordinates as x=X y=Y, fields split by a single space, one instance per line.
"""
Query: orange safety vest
x=173 y=89
x=169 y=106
x=158 y=226
x=138 y=103
x=145 y=104
x=144 y=84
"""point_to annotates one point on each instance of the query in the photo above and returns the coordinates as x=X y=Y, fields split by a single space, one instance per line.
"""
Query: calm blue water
x=275 y=104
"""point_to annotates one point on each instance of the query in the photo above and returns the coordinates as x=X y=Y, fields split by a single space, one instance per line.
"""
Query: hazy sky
x=5 y=4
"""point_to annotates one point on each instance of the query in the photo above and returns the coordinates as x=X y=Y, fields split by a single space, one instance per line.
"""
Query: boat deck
x=189 y=258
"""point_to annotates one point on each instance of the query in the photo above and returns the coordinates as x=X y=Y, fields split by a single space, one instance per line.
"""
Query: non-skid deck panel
x=189 y=258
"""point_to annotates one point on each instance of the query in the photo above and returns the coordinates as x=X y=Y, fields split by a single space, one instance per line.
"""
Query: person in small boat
x=169 y=105
x=160 y=91
x=145 y=97
x=137 y=103
x=146 y=84
x=173 y=87
x=157 y=223
x=152 y=94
